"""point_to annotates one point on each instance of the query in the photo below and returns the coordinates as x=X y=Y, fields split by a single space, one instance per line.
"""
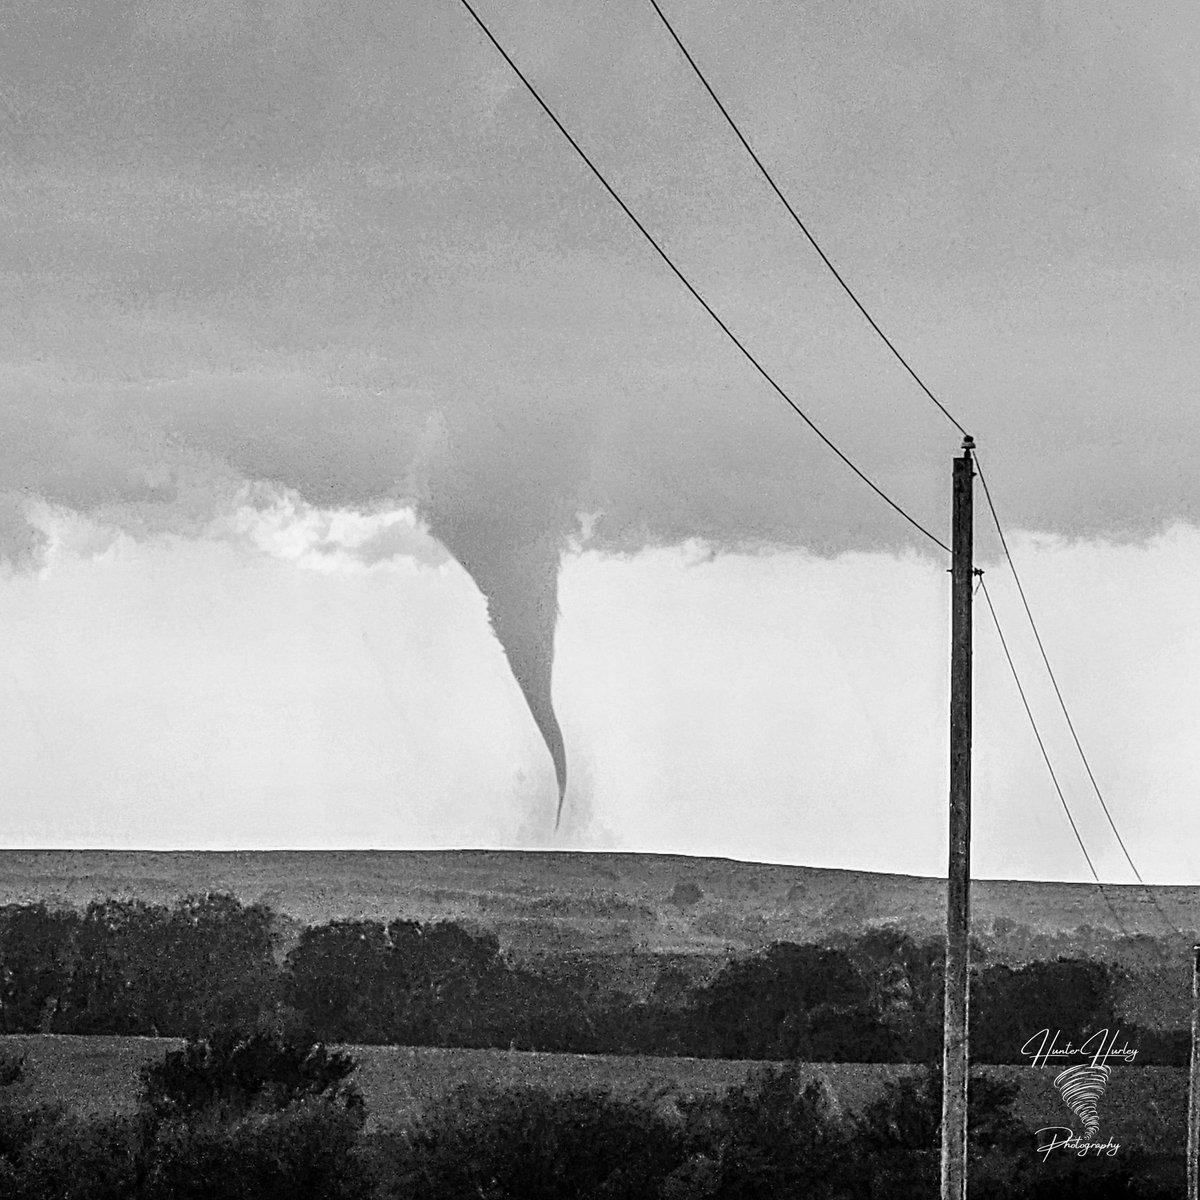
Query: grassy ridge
x=549 y=901
x=1144 y=1108
x=633 y=911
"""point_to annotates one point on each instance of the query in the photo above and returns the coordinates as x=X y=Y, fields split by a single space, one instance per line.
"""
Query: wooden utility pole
x=1193 y=1145
x=955 y=1055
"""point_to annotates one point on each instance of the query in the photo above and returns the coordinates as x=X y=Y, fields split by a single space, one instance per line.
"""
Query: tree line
x=209 y=961
x=260 y=1117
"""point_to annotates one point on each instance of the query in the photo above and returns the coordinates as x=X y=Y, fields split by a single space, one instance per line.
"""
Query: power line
x=803 y=228
x=820 y=434
x=1046 y=757
x=699 y=298
x=1063 y=704
x=766 y=174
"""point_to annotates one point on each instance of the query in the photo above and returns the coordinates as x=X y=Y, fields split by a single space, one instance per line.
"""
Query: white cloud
x=283 y=525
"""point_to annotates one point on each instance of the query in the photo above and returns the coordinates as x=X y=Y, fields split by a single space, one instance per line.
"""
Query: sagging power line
x=1046 y=755
x=800 y=223
x=903 y=361
x=694 y=292
x=750 y=357
x=1012 y=566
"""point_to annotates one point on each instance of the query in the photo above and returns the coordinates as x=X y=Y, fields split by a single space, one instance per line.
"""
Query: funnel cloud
x=521 y=586
x=335 y=250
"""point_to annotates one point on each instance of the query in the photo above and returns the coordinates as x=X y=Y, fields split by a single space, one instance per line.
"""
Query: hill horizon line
x=578 y=855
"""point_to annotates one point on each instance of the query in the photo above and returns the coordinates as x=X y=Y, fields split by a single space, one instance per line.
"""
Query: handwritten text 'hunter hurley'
x=1042 y=1048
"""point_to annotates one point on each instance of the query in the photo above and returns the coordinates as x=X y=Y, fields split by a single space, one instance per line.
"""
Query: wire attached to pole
x=1046 y=757
x=1012 y=566
x=698 y=297
x=800 y=223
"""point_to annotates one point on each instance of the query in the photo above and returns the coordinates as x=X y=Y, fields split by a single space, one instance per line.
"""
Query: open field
x=1145 y=1107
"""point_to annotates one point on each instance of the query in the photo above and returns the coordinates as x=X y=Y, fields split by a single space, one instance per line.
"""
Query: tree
x=36 y=948
x=775 y=1135
x=1071 y=995
x=307 y=1150
x=896 y=1141
x=119 y=961
x=906 y=978
x=337 y=980
x=219 y=967
x=782 y=1003
x=232 y=1073
x=535 y=1144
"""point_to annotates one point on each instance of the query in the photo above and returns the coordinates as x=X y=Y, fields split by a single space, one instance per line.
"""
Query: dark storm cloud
x=337 y=248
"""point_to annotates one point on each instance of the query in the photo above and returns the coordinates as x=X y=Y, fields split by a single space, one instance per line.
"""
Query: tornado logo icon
x=1081 y=1087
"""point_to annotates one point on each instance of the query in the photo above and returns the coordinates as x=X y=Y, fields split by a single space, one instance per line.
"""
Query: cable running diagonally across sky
x=1012 y=566
x=812 y=425
x=699 y=298
x=800 y=223
x=766 y=174
x=1046 y=757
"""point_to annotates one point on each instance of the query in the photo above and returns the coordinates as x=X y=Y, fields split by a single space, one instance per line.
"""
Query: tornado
x=519 y=581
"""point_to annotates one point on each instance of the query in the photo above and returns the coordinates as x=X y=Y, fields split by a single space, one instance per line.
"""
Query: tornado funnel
x=523 y=613
x=520 y=584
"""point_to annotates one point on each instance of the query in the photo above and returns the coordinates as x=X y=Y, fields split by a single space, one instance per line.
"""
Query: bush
x=1073 y=995
x=141 y=968
x=789 y=1002
x=534 y=1144
x=50 y=1154
x=304 y=1151
x=772 y=1136
x=234 y=1073
x=35 y=955
x=897 y=1139
x=12 y=1068
x=236 y=1117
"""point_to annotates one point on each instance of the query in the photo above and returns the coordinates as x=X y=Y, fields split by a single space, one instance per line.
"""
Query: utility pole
x=1193 y=1145
x=955 y=1055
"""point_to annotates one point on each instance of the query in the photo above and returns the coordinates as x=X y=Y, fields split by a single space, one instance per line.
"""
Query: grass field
x=1144 y=1108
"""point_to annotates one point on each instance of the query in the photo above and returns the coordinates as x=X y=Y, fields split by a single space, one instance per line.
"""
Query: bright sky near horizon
x=303 y=303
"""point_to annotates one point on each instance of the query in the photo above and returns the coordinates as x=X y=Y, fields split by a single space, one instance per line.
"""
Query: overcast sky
x=307 y=308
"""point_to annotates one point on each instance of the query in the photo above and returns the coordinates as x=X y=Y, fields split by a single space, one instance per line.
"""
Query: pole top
x=968 y=442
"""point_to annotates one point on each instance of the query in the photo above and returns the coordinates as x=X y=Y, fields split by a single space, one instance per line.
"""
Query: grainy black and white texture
x=304 y=304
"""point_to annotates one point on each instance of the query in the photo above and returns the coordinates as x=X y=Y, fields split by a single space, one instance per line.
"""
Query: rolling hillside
x=615 y=920
x=546 y=902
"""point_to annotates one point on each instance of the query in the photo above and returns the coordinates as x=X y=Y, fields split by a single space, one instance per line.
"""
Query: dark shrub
x=305 y=1152
x=49 y=1154
x=685 y=894
x=12 y=1068
x=120 y=953
x=1010 y=1006
x=234 y=1073
x=337 y=978
x=217 y=967
x=775 y=1135
x=534 y=1144
x=36 y=947
x=897 y=1139
x=785 y=1003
